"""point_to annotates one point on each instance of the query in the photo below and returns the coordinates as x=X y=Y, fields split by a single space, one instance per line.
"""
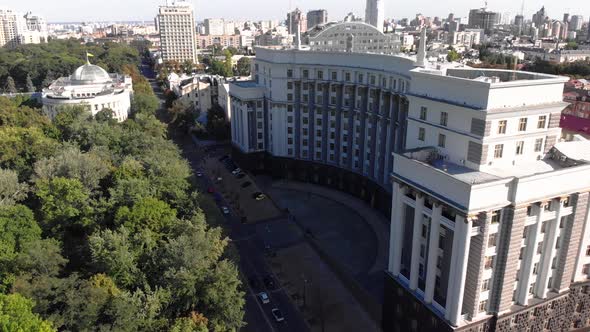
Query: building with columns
x=488 y=211
x=489 y=225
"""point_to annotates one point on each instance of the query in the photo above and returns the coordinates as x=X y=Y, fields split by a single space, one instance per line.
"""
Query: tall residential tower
x=177 y=31
x=375 y=13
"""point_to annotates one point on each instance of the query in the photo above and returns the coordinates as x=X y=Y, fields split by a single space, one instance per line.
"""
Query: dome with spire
x=90 y=74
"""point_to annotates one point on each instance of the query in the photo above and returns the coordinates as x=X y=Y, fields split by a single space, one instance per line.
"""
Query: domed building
x=93 y=87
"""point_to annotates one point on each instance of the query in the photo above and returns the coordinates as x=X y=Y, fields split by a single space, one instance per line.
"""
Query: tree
x=10 y=86
x=17 y=230
x=147 y=213
x=453 y=55
x=113 y=254
x=29 y=84
x=16 y=315
x=65 y=204
x=571 y=45
x=71 y=163
x=143 y=103
x=243 y=66
x=11 y=190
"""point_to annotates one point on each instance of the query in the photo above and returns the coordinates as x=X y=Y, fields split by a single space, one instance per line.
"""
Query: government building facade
x=92 y=87
x=489 y=212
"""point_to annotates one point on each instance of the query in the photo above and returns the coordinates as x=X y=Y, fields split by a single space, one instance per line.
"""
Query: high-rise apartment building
x=483 y=19
x=214 y=26
x=17 y=29
x=576 y=22
x=316 y=17
x=375 y=13
x=176 y=23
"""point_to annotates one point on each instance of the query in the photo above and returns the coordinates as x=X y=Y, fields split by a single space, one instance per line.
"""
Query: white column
x=432 y=253
x=548 y=253
x=418 y=217
x=397 y=229
x=526 y=273
x=461 y=242
x=583 y=245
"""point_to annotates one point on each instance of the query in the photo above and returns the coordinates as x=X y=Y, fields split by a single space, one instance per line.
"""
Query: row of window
x=522 y=124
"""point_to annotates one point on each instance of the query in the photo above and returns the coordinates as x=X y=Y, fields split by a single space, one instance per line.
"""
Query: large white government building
x=92 y=87
x=489 y=212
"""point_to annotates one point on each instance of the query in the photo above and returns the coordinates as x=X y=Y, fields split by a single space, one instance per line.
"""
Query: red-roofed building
x=575 y=119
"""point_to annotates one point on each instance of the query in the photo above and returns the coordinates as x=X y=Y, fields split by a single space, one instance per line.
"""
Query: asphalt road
x=250 y=243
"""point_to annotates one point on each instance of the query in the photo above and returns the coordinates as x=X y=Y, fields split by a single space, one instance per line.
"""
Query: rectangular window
x=290 y=97
x=538 y=145
x=540 y=248
x=489 y=262
x=498 y=151
x=483 y=305
x=320 y=75
x=532 y=288
x=502 y=126
x=522 y=124
x=519 y=147
x=423 y=113
x=421 y=134
x=334 y=75
x=289 y=85
x=496 y=217
x=485 y=285
x=289 y=73
x=347 y=77
x=444 y=118
x=542 y=122
x=492 y=240
x=305 y=73
x=442 y=140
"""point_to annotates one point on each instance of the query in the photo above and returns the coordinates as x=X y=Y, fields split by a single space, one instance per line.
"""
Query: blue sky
x=116 y=10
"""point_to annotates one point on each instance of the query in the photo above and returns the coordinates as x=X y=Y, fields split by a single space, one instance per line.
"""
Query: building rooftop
x=245 y=84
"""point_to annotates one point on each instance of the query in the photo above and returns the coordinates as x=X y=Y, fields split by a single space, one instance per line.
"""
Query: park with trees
x=101 y=225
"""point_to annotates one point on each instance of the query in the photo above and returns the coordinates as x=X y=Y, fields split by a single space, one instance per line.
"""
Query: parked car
x=236 y=171
x=263 y=297
x=225 y=210
x=277 y=314
x=246 y=184
x=211 y=190
x=223 y=158
x=199 y=174
x=240 y=176
x=258 y=196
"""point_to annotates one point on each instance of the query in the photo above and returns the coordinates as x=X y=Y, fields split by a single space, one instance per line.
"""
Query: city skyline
x=85 y=10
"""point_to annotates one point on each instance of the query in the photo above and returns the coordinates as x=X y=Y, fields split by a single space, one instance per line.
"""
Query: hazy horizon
x=145 y=10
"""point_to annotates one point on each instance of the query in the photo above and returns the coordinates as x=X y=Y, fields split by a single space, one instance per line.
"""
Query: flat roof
x=463 y=173
x=245 y=84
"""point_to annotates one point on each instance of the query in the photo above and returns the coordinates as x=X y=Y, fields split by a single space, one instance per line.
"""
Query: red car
x=211 y=190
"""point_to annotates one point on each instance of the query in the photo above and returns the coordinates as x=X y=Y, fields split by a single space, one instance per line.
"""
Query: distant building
x=214 y=26
x=204 y=41
x=296 y=17
x=316 y=17
x=519 y=23
x=576 y=22
x=465 y=38
x=375 y=13
x=17 y=29
x=92 y=87
x=176 y=22
x=355 y=37
x=575 y=119
x=483 y=19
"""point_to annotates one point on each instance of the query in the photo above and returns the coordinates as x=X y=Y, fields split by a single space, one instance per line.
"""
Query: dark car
x=246 y=184
x=223 y=158
x=211 y=190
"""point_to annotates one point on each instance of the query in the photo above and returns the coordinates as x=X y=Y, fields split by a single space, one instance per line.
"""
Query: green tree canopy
x=16 y=315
